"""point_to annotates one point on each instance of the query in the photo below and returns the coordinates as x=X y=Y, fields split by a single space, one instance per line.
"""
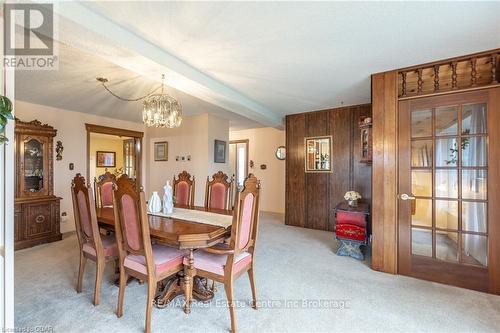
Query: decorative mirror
x=281 y=153
x=318 y=154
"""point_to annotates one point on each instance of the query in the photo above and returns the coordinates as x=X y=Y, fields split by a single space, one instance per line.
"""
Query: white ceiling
x=74 y=87
x=252 y=62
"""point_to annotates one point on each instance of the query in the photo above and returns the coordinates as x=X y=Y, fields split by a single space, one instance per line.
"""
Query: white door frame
x=7 y=205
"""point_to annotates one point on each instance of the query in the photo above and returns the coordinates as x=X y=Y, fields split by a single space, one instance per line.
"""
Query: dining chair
x=226 y=262
x=94 y=246
x=103 y=187
x=218 y=195
x=218 y=191
x=138 y=258
x=184 y=189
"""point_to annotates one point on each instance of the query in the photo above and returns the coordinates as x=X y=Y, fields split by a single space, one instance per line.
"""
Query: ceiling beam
x=231 y=99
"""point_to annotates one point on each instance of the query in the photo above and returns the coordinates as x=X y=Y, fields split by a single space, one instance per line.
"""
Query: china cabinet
x=36 y=214
x=365 y=127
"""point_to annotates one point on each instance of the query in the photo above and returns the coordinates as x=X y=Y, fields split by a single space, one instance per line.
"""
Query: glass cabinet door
x=34 y=171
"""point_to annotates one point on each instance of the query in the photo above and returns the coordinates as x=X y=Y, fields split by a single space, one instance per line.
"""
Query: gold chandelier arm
x=103 y=81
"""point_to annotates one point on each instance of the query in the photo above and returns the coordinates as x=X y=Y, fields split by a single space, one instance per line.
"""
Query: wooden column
x=295 y=200
x=494 y=193
x=384 y=171
x=473 y=72
x=420 y=81
x=494 y=62
x=454 y=76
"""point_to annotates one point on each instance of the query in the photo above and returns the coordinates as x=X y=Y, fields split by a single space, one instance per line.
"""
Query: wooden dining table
x=184 y=235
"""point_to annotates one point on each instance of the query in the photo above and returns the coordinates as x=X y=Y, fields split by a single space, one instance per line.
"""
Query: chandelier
x=158 y=110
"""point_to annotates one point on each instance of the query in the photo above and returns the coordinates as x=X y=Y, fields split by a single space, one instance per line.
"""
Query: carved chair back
x=246 y=217
x=184 y=189
x=131 y=221
x=218 y=191
x=103 y=186
x=85 y=214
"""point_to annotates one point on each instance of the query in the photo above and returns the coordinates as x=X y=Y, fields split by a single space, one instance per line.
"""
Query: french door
x=449 y=197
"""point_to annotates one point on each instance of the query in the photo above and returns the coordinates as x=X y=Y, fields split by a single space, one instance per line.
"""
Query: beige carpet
x=302 y=285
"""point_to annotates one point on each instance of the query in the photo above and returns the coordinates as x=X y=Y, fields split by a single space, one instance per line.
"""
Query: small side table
x=352 y=229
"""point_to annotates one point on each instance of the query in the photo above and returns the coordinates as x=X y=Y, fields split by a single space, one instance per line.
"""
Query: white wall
x=194 y=137
x=262 y=146
x=218 y=129
x=71 y=131
x=188 y=139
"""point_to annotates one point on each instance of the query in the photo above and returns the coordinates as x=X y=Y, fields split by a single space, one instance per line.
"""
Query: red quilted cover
x=351 y=231
x=351 y=218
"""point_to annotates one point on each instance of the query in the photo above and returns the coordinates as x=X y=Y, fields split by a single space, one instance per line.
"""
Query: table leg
x=188 y=282
x=167 y=290
x=173 y=287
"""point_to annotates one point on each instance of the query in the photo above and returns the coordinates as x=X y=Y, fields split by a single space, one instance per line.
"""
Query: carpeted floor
x=301 y=284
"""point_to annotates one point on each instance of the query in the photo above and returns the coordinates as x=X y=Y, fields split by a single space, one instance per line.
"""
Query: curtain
x=473 y=185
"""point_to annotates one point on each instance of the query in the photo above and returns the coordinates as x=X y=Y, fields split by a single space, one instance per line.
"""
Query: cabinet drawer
x=39 y=220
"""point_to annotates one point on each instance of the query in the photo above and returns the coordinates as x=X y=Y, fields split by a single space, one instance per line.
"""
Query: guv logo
x=29 y=36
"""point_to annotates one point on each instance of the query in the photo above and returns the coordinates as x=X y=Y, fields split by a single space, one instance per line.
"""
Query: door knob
x=405 y=197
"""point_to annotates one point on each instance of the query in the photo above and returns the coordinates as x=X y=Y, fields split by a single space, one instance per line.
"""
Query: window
x=238 y=159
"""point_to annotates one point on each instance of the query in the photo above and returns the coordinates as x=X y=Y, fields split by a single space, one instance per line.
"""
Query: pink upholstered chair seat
x=164 y=257
x=214 y=263
x=109 y=245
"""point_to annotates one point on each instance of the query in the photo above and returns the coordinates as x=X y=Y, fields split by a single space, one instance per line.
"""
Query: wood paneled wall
x=384 y=202
x=311 y=197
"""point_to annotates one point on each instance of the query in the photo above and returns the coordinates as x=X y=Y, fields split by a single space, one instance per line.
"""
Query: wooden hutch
x=36 y=216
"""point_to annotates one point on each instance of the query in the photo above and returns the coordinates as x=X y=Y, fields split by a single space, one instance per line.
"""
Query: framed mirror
x=281 y=153
x=318 y=154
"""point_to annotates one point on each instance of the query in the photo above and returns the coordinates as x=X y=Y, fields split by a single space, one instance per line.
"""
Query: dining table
x=196 y=228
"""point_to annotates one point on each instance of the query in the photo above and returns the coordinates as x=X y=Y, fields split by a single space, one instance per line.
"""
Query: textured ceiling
x=299 y=56
x=287 y=57
x=74 y=87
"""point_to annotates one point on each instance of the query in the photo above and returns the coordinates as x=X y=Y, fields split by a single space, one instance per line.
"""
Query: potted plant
x=5 y=115
x=352 y=198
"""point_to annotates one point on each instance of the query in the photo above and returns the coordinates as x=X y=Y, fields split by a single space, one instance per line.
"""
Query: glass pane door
x=448 y=181
x=129 y=157
x=444 y=202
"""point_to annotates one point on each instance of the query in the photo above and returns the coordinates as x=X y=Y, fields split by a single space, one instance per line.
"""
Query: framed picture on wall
x=220 y=151
x=105 y=159
x=161 y=151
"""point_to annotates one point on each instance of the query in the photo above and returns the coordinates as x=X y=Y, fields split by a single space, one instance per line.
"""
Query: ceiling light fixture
x=158 y=110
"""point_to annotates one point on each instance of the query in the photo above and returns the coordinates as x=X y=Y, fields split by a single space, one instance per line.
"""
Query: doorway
x=449 y=189
x=113 y=150
x=238 y=160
